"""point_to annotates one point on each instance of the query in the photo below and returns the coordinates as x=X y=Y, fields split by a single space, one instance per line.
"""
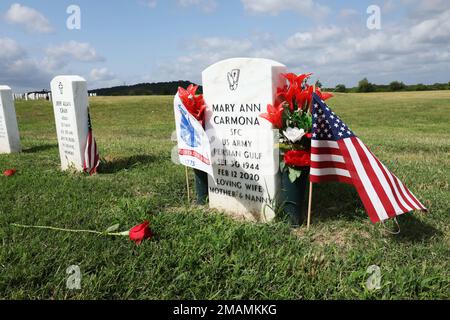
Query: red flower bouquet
x=292 y=116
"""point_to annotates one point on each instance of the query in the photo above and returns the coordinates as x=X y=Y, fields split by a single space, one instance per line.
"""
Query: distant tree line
x=170 y=88
x=144 y=89
x=365 y=86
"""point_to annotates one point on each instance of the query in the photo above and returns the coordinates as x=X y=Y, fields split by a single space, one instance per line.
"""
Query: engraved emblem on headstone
x=233 y=79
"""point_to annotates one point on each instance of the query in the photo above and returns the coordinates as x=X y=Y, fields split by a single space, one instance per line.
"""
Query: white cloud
x=10 y=49
x=102 y=78
x=101 y=74
x=18 y=70
x=204 y=5
x=190 y=65
x=315 y=39
x=23 y=72
x=28 y=18
x=148 y=3
x=274 y=7
x=61 y=55
x=347 y=13
x=409 y=51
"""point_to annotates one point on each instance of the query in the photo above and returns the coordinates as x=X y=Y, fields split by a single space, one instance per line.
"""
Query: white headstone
x=244 y=146
x=9 y=131
x=70 y=105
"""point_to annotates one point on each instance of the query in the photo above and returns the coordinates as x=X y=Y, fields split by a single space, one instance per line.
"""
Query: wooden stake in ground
x=187 y=186
x=309 y=205
x=308 y=223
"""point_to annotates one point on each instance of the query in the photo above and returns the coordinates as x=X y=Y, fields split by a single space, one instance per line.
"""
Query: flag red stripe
x=385 y=201
x=90 y=150
x=407 y=193
x=413 y=198
x=358 y=183
x=401 y=193
x=87 y=152
x=390 y=184
x=328 y=164
x=334 y=151
x=330 y=178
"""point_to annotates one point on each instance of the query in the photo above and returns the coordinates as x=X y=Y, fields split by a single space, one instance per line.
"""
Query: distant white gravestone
x=244 y=146
x=70 y=105
x=9 y=131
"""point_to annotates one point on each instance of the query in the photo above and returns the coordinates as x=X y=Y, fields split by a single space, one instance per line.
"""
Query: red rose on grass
x=9 y=172
x=274 y=115
x=194 y=104
x=140 y=232
x=298 y=158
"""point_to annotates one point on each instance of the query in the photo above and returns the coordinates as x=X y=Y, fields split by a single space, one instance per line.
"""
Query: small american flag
x=338 y=155
x=91 y=156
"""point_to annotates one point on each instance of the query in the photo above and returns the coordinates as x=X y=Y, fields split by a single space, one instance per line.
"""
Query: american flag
x=91 y=156
x=337 y=154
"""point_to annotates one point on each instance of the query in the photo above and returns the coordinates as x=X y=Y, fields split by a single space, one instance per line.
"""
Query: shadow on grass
x=415 y=230
x=339 y=201
x=333 y=201
x=119 y=164
x=37 y=149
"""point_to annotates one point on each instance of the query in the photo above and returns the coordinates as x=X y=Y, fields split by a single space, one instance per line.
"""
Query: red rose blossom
x=140 y=232
x=298 y=158
x=9 y=172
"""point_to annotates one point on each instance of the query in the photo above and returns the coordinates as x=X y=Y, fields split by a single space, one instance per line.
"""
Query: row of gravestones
x=33 y=96
x=39 y=96
x=236 y=91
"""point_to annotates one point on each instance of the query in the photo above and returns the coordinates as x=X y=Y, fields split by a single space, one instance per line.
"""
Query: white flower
x=294 y=134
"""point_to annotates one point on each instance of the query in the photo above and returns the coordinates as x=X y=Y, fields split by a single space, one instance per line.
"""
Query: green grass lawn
x=201 y=254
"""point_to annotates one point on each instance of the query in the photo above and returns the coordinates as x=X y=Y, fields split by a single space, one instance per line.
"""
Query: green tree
x=365 y=86
x=421 y=87
x=396 y=86
x=340 y=88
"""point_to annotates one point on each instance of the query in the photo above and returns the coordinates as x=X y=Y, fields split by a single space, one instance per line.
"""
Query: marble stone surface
x=243 y=145
x=70 y=105
x=9 y=131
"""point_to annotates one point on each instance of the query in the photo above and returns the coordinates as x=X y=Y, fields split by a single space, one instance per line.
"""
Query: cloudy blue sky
x=137 y=41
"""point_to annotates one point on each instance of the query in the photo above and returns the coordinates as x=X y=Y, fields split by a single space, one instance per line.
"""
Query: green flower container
x=294 y=196
x=201 y=186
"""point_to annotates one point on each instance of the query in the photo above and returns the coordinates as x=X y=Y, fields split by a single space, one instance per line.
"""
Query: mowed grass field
x=198 y=253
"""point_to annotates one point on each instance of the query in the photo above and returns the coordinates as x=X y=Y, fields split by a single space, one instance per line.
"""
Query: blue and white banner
x=194 y=149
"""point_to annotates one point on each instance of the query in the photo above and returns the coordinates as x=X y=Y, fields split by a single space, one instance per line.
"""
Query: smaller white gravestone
x=70 y=105
x=9 y=131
